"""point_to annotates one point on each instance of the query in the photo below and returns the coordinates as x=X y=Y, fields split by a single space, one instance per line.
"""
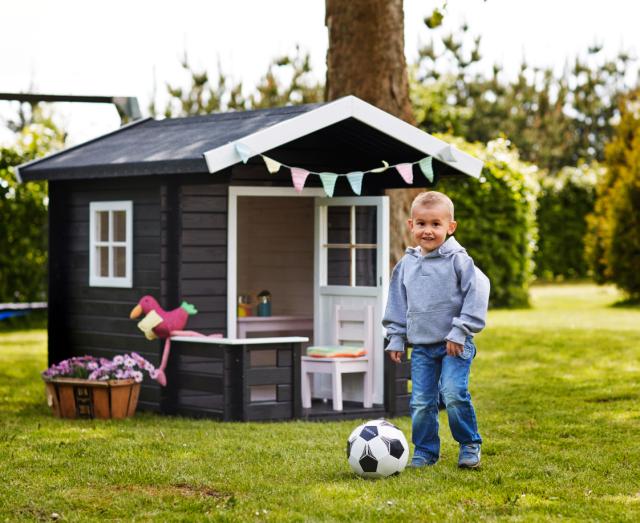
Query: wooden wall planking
x=95 y=320
x=203 y=254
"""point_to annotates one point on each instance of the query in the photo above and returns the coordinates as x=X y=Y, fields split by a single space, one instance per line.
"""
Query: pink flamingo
x=165 y=325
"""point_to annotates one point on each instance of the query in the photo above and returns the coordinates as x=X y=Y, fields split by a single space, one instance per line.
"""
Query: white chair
x=353 y=328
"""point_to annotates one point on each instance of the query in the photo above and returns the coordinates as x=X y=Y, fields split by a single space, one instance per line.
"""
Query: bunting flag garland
x=299 y=176
x=272 y=166
x=446 y=154
x=243 y=151
x=355 y=178
x=426 y=166
x=380 y=169
x=406 y=171
x=328 y=182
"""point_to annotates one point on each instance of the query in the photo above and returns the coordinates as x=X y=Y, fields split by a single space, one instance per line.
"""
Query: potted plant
x=89 y=387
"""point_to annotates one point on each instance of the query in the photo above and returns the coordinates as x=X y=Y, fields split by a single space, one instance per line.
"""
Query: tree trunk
x=366 y=59
x=366 y=54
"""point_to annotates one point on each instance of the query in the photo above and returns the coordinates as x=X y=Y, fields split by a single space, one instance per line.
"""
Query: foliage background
x=564 y=202
x=614 y=226
x=559 y=122
x=23 y=213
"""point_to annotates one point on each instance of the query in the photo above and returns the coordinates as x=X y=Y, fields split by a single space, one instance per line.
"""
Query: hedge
x=613 y=239
x=496 y=218
x=564 y=202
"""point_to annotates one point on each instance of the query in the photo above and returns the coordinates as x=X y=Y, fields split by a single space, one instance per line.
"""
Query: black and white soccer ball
x=377 y=449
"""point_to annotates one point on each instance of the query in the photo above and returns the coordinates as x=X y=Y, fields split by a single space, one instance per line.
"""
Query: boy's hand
x=395 y=356
x=454 y=349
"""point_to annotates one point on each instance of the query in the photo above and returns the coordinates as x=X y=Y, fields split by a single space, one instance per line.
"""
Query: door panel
x=351 y=269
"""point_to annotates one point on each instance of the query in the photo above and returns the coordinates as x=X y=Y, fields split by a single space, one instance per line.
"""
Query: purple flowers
x=121 y=367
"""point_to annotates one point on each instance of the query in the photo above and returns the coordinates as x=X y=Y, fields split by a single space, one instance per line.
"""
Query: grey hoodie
x=439 y=296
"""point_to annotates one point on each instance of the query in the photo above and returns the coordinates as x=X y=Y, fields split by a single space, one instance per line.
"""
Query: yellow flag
x=272 y=166
x=380 y=169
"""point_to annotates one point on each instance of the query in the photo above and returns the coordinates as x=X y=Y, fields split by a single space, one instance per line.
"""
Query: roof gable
x=332 y=113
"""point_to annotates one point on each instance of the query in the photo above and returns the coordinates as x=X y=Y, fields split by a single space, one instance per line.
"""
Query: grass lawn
x=556 y=389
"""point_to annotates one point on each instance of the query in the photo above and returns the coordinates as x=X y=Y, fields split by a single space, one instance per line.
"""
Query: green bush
x=613 y=242
x=496 y=218
x=23 y=234
x=23 y=215
x=564 y=202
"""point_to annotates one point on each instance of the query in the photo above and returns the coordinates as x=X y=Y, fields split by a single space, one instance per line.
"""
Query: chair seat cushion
x=336 y=351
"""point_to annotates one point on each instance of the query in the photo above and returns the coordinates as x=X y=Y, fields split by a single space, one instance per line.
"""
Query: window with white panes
x=351 y=245
x=110 y=244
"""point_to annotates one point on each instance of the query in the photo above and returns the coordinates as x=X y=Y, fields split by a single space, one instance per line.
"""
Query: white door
x=351 y=269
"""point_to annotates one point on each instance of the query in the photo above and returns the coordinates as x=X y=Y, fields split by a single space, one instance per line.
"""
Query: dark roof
x=173 y=145
x=341 y=136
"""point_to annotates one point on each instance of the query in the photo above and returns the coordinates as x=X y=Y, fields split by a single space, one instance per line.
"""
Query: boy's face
x=430 y=226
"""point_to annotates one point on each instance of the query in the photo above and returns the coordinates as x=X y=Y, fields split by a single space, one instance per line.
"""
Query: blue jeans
x=433 y=371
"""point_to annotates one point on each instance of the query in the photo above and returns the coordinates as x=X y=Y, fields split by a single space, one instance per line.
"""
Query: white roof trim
x=337 y=111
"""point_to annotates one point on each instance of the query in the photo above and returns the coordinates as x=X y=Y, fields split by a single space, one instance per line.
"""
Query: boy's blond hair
x=430 y=198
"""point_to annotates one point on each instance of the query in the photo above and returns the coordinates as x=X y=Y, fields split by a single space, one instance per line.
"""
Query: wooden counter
x=293 y=324
x=241 y=379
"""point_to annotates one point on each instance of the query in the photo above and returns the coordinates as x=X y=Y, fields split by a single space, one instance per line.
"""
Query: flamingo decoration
x=162 y=324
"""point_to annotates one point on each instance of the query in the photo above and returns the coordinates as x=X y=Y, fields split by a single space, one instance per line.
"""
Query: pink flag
x=406 y=171
x=299 y=176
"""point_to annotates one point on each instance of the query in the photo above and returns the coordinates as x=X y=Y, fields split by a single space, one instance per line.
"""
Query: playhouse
x=209 y=209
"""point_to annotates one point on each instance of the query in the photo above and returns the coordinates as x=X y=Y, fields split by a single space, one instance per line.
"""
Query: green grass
x=556 y=389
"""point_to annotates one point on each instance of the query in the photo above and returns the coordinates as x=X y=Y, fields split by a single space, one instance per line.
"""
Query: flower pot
x=80 y=398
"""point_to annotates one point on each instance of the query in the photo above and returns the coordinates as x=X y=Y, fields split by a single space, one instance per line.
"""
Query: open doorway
x=275 y=255
x=271 y=248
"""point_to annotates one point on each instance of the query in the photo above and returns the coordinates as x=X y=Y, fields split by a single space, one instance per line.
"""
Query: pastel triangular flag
x=380 y=169
x=355 y=180
x=299 y=176
x=446 y=154
x=406 y=171
x=272 y=166
x=243 y=151
x=328 y=182
x=426 y=166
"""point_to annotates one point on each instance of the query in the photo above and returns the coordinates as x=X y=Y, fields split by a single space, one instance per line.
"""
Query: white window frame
x=352 y=246
x=111 y=281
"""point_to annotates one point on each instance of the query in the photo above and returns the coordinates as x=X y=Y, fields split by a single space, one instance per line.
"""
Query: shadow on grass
x=611 y=399
x=33 y=410
x=628 y=303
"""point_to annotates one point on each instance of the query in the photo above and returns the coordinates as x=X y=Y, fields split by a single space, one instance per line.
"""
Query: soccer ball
x=377 y=449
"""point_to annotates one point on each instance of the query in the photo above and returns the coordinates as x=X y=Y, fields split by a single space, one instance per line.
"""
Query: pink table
x=273 y=323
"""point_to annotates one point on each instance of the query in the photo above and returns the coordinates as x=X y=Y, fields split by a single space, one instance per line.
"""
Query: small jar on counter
x=264 y=303
x=244 y=305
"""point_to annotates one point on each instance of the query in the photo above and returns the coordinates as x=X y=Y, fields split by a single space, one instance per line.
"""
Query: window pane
x=102 y=224
x=119 y=262
x=119 y=226
x=103 y=261
x=366 y=227
x=339 y=223
x=338 y=266
x=366 y=267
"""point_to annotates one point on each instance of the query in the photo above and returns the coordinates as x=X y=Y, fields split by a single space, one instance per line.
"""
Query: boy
x=437 y=300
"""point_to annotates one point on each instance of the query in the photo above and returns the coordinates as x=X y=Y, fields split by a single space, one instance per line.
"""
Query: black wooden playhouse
x=189 y=220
